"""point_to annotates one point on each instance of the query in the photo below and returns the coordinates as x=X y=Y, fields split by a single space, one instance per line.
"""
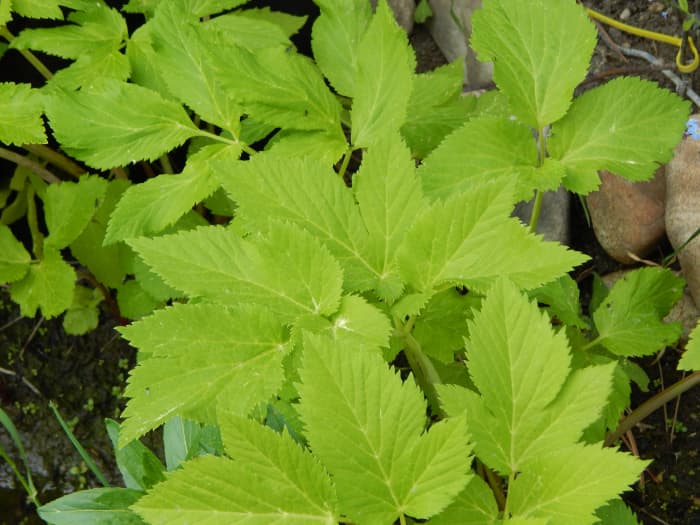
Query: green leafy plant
x=271 y=369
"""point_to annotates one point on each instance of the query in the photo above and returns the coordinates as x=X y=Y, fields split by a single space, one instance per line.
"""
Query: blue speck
x=664 y=13
x=692 y=129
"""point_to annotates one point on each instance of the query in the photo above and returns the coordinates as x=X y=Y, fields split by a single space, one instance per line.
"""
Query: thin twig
x=37 y=168
x=31 y=336
x=24 y=380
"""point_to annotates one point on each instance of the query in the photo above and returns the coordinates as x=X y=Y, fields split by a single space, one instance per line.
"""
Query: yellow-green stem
x=57 y=159
x=31 y=165
x=33 y=222
x=345 y=162
x=28 y=55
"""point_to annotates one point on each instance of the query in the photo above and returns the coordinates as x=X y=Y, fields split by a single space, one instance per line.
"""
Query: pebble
x=625 y=13
x=683 y=205
x=628 y=217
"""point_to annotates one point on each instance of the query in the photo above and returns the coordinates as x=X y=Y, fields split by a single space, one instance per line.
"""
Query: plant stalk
x=23 y=161
x=652 y=404
x=28 y=55
x=423 y=370
x=55 y=158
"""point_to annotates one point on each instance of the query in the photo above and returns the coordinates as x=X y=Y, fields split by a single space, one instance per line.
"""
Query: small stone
x=625 y=13
x=683 y=204
x=628 y=217
x=553 y=222
x=656 y=7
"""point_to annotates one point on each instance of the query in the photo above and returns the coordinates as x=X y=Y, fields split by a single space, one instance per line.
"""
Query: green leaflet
x=148 y=208
x=475 y=505
x=385 y=65
x=103 y=506
x=562 y=300
x=538 y=75
x=336 y=35
x=69 y=206
x=183 y=60
x=21 y=107
x=197 y=357
x=96 y=31
x=616 y=513
x=480 y=150
x=629 y=320
x=690 y=360
x=14 y=259
x=5 y=12
x=119 y=124
x=38 y=8
x=140 y=468
x=598 y=133
x=361 y=418
x=91 y=71
x=48 y=285
x=470 y=240
x=288 y=270
x=203 y=491
x=244 y=29
x=389 y=196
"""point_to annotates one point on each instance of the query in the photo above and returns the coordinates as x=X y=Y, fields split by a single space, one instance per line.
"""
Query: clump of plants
x=328 y=331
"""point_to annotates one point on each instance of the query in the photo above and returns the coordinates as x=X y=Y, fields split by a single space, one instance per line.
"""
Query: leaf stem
x=652 y=404
x=33 y=222
x=244 y=147
x=57 y=159
x=345 y=162
x=31 y=165
x=541 y=154
x=28 y=55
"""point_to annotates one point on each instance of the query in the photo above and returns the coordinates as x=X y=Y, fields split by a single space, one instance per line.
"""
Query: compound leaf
x=288 y=271
x=14 y=258
x=594 y=135
x=97 y=31
x=335 y=38
x=360 y=417
x=119 y=124
x=385 y=65
x=149 y=208
x=69 y=206
x=629 y=320
x=389 y=196
x=455 y=242
x=200 y=356
x=48 y=285
x=21 y=108
x=309 y=194
x=568 y=485
x=538 y=75
x=204 y=491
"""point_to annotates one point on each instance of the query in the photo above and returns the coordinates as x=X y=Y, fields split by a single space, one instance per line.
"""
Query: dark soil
x=85 y=376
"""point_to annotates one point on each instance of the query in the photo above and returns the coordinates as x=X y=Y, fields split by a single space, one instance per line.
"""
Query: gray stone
x=403 y=11
x=453 y=42
x=553 y=222
x=628 y=217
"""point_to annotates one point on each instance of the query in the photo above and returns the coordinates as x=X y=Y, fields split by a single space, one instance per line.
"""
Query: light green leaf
x=482 y=149
x=139 y=467
x=537 y=75
x=248 y=31
x=134 y=302
x=292 y=472
x=470 y=240
x=181 y=441
x=83 y=314
x=336 y=35
x=568 y=485
x=198 y=356
x=690 y=360
x=629 y=320
x=21 y=107
x=616 y=513
x=148 y=208
x=182 y=58
x=202 y=8
x=5 y=12
x=14 y=259
x=97 y=31
x=203 y=491
x=519 y=366
x=290 y=24
x=288 y=271
x=103 y=506
x=91 y=71
x=475 y=505
x=279 y=87
x=360 y=416
x=594 y=135
x=106 y=263
x=310 y=195
x=120 y=124
x=48 y=285
x=562 y=300
x=324 y=147
x=69 y=206
x=38 y=8
x=144 y=63
x=385 y=65
x=389 y=196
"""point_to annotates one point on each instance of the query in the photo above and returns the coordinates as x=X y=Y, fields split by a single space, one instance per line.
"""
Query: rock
x=628 y=217
x=403 y=11
x=683 y=206
x=553 y=222
x=453 y=42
